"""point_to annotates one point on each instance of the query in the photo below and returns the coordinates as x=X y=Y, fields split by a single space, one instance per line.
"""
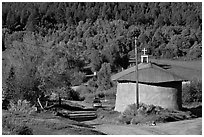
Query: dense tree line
x=33 y=16
x=46 y=45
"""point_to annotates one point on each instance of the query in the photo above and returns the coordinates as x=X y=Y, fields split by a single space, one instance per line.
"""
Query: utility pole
x=136 y=75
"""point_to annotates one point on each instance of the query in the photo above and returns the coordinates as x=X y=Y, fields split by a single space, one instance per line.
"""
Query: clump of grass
x=22 y=106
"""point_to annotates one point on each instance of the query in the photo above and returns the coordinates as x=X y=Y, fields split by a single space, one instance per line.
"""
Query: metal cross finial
x=144 y=50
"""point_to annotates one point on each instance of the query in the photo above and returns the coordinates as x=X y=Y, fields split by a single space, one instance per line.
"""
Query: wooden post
x=136 y=75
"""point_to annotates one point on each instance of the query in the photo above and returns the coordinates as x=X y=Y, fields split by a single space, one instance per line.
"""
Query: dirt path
x=186 y=127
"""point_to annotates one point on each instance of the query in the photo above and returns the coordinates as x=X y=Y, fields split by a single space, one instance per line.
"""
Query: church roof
x=148 y=73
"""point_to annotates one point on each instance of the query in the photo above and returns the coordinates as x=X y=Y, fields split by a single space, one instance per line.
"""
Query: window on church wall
x=144 y=59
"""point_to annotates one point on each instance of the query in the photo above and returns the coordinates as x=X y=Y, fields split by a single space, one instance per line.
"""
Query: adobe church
x=157 y=86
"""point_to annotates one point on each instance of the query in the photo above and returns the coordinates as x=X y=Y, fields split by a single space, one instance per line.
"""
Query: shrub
x=69 y=94
x=131 y=110
x=92 y=83
x=110 y=93
x=86 y=91
x=192 y=92
x=65 y=93
x=78 y=78
x=74 y=95
x=22 y=107
x=195 y=51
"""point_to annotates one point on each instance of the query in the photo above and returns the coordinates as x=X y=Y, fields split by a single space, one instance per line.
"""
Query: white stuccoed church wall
x=166 y=97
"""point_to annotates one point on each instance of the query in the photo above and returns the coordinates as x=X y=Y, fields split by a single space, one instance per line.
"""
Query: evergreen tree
x=103 y=77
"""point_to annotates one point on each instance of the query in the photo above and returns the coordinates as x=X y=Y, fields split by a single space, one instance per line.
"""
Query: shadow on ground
x=196 y=111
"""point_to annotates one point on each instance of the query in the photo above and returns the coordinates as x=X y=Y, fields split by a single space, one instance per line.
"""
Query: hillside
x=47 y=46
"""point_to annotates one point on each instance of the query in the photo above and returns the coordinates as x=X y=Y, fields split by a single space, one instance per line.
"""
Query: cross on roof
x=144 y=50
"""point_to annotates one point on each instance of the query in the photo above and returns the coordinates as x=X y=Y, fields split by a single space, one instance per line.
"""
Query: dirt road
x=186 y=127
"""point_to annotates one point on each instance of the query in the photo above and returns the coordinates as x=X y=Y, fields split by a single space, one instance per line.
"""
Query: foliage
x=192 y=92
x=47 y=45
x=95 y=60
x=78 y=78
x=104 y=81
x=19 y=70
x=92 y=83
x=49 y=14
x=85 y=90
x=100 y=25
x=59 y=69
x=22 y=106
x=195 y=51
x=69 y=94
x=74 y=95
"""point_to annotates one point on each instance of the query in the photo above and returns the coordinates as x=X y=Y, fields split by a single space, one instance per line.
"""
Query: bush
x=111 y=93
x=195 y=51
x=67 y=93
x=86 y=91
x=92 y=83
x=74 y=95
x=22 y=107
x=78 y=78
x=192 y=92
x=131 y=110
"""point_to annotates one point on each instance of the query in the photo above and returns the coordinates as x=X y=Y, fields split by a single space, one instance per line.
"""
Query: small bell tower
x=144 y=57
